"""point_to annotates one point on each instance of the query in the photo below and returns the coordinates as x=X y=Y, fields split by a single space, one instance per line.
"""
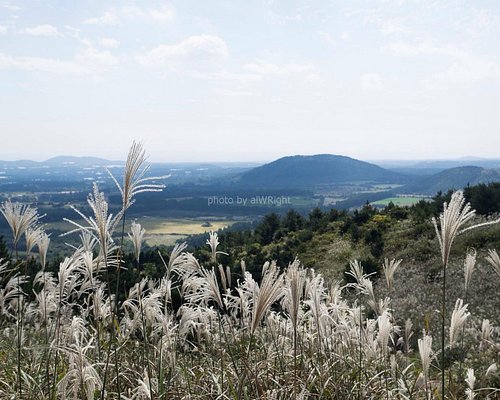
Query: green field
x=399 y=201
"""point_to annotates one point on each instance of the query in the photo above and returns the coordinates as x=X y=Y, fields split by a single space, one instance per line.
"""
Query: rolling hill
x=453 y=178
x=322 y=169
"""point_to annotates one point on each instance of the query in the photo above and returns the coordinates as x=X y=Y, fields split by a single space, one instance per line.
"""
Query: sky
x=250 y=80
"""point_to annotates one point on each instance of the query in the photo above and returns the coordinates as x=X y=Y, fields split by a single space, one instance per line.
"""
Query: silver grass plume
x=9 y=295
x=486 y=333
x=471 y=381
x=408 y=333
x=32 y=236
x=201 y=289
x=389 y=268
x=356 y=271
x=134 y=181
x=426 y=355
x=469 y=267
x=458 y=318
x=137 y=237
x=81 y=376
x=295 y=282
x=384 y=331
x=455 y=215
x=225 y=277
x=43 y=242
x=20 y=217
x=213 y=242
x=494 y=260
x=175 y=260
x=269 y=291
x=101 y=225
x=491 y=369
x=146 y=386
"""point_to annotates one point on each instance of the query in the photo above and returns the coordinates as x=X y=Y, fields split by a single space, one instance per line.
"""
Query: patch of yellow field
x=180 y=226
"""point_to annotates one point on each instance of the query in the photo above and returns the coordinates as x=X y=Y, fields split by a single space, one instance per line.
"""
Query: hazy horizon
x=262 y=161
x=238 y=81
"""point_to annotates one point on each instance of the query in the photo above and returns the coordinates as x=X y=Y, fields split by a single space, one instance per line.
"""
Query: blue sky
x=250 y=80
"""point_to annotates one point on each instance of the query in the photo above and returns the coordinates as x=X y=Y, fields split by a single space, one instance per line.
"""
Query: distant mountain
x=431 y=167
x=79 y=161
x=453 y=178
x=321 y=169
x=60 y=161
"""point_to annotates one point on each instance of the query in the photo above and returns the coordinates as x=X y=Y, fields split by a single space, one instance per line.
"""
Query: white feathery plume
x=384 y=331
x=295 y=282
x=455 y=215
x=134 y=181
x=471 y=381
x=20 y=217
x=458 y=318
x=137 y=237
x=32 y=236
x=223 y=278
x=9 y=294
x=101 y=225
x=491 y=369
x=175 y=256
x=494 y=260
x=201 y=289
x=43 y=242
x=486 y=333
x=88 y=241
x=269 y=291
x=469 y=267
x=389 y=268
x=146 y=386
x=81 y=376
x=185 y=265
x=366 y=287
x=426 y=355
x=3 y=267
x=213 y=242
x=356 y=271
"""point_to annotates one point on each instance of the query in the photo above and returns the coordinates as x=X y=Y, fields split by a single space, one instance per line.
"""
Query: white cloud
x=3 y=29
x=40 y=64
x=108 y=18
x=116 y=16
x=465 y=67
x=284 y=19
x=328 y=38
x=233 y=93
x=95 y=61
x=87 y=61
x=371 y=81
x=162 y=14
x=10 y=7
x=42 y=30
x=224 y=76
x=194 y=49
x=402 y=49
x=477 y=22
x=265 y=68
x=109 y=43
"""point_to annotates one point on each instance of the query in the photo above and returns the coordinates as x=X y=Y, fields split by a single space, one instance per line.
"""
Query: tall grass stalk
x=452 y=222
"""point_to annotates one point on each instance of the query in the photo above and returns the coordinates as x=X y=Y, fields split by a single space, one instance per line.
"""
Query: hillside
x=453 y=178
x=322 y=169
